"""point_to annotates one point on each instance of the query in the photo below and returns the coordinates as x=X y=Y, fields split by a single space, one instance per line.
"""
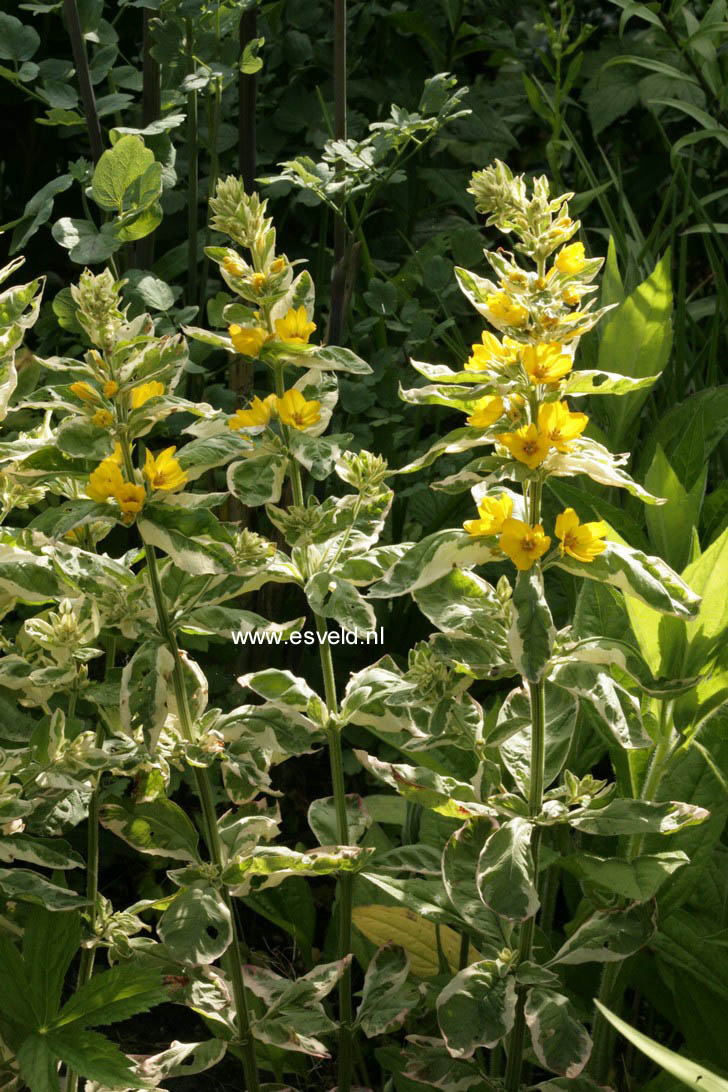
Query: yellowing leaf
x=398 y=925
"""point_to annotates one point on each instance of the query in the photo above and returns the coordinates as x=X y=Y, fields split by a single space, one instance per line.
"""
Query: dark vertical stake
x=247 y=92
x=86 y=88
x=338 y=280
x=192 y=168
x=151 y=110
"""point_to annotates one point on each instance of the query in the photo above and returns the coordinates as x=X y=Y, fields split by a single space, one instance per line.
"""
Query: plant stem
x=247 y=87
x=338 y=282
x=535 y=800
x=192 y=195
x=88 y=955
x=85 y=84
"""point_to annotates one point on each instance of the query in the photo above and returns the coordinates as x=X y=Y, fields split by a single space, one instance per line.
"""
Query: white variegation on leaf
x=431 y=558
x=477 y=1008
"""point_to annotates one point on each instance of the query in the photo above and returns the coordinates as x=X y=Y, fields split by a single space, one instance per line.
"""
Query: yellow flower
x=486 y=411
x=546 y=363
x=104 y=481
x=84 y=391
x=527 y=444
x=130 y=498
x=102 y=418
x=556 y=421
x=504 y=309
x=142 y=394
x=278 y=265
x=570 y=259
x=522 y=543
x=234 y=265
x=247 y=340
x=110 y=388
x=258 y=413
x=514 y=409
x=582 y=541
x=164 y=472
x=116 y=456
x=493 y=511
x=571 y=296
x=490 y=352
x=295 y=327
x=294 y=410
x=257 y=281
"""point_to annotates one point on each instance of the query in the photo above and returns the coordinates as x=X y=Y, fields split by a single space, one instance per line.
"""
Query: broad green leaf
x=670 y=525
x=184 y=1060
x=27 y=886
x=119 y=170
x=609 y=936
x=459 y=868
x=46 y=852
x=160 y=828
x=636 y=342
x=689 y=1073
x=332 y=597
x=560 y=1042
x=615 y=707
x=387 y=999
x=271 y=864
x=430 y=559
x=322 y=819
x=425 y=1062
x=113 y=995
x=258 y=479
x=648 y=579
x=28 y=577
x=532 y=631
x=477 y=1008
x=582 y=382
x=18 y=42
x=50 y=942
x=441 y=794
x=622 y=654
x=146 y=684
x=512 y=734
x=637 y=880
x=419 y=937
x=506 y=876
x=334 y=358
x=196 y=926
x=282 y=686
x=638 y=817
x=187 y=535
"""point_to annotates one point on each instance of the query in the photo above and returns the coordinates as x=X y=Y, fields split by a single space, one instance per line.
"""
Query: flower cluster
x=107 y=482
x=525 y=544
x=291 y=409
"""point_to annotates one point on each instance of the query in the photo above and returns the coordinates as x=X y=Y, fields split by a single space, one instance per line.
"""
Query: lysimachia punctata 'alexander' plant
x=452 y=928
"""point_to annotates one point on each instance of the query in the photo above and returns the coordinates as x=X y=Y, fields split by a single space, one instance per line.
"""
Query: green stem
x=88 y=955
x=535 y=801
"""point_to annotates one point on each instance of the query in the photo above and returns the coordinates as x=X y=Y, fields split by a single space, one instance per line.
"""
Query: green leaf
x=17 y=41
x=420 y=938
x=92 y=1056
x=258 y=479
x=47 y=852
x=582 y=382
x=49 y=944
x=637 y=880
x=430 y=559
x=338 y=599
x=160 y=828
x=111 y=996
x=146 y=688
x=17 y=1003
x=609 y=936
x=21 y=883
x=322 y=819
x=512 y=734
x=187 y=535
x=670 y=525
x=560 y=1042
x=616 y=708
x=120 y=171
x=387 y=999
x=459 y=867
x=636 y=342
x=637 y=817
x=532 y=631
x=196 y=926
x=441 y=794
x=27 y=577
x=648 y=579
x=506 y=876
x=38 y=1064
x=250 y=62
x=477 y=1008
x=689 y=1073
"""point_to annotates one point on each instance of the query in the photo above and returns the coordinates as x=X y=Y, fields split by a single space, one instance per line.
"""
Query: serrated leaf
x=111 y=996
x=92 y=1056
x=50 y=942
